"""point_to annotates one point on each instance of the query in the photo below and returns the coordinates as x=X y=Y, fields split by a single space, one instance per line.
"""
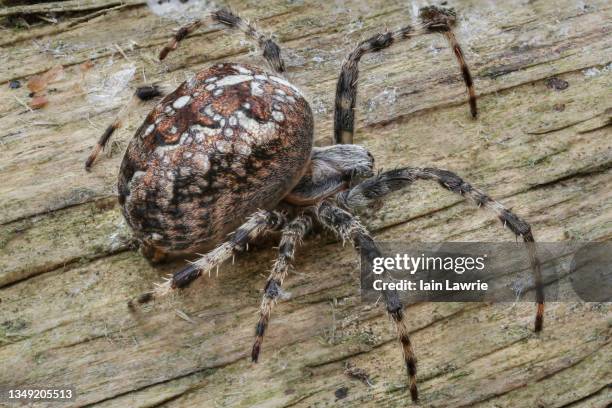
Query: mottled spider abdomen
x=231 y=139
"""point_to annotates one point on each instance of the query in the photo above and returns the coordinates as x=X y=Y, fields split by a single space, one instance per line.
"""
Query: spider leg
x=373 y=189
x=346 y=87
x=465 y=71
x=293 y=233
x=180 y=35
x=271 y=51
x=348 y=227
x=439 y=19
x=142 y=94
x=260 y=222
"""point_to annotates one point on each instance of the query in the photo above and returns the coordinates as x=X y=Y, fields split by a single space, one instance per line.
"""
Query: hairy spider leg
x=440 y=19
x=292 y=235
x=271 y=51
x=348 y=228
x=374 y=188
x=142 y=94
x=433 y=20
x=259 y=223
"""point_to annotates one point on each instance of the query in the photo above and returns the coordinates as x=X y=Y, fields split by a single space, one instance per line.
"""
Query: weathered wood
x=66 y=268
x=65 y=6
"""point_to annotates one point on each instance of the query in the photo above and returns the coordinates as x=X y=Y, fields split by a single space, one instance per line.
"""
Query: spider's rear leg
x=439 y=19
x=373 y=189
x=142 y=94
x=259 y=223
x=270 y=50
x=291 y=237
x=348 y=227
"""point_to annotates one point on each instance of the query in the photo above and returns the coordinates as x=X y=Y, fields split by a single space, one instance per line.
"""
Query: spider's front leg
x=433 y=19
x=441 y=20
x=259 y=223
x=373 y=189
x=348 y=228
x=346 y=87
x=292 y=235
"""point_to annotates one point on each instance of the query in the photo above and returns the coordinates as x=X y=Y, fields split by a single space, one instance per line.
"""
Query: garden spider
x=230 y=152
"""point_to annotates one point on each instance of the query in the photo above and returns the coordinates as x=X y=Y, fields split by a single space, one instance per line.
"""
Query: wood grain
x=66 y=267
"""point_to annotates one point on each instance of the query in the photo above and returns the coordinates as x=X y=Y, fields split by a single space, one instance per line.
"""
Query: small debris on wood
x=118 y=48
x=47 y=19
x=559 y=107
x=39 y=102
x=38 y=83
x=14 y=84
x=84 y=68
x=341 y=393
x=184 y=316
x=87 y=65
x=556 y=83
x=353 y=371
x=22 y=103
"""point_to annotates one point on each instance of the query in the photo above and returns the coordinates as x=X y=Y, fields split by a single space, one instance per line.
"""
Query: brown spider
x=231 y=150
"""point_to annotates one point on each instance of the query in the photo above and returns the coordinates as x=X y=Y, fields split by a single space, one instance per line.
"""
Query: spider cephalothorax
x=233 y=145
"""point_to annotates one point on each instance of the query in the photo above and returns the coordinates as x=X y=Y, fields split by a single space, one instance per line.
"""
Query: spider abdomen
x=228 y=141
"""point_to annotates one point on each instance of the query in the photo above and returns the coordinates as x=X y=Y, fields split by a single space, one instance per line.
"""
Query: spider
x=230 y=153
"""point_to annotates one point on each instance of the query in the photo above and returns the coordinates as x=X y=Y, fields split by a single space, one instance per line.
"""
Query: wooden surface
x=66 y=270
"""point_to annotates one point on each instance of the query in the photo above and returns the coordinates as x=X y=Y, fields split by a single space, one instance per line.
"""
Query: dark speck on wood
x=341 y=392
x=556 y=84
